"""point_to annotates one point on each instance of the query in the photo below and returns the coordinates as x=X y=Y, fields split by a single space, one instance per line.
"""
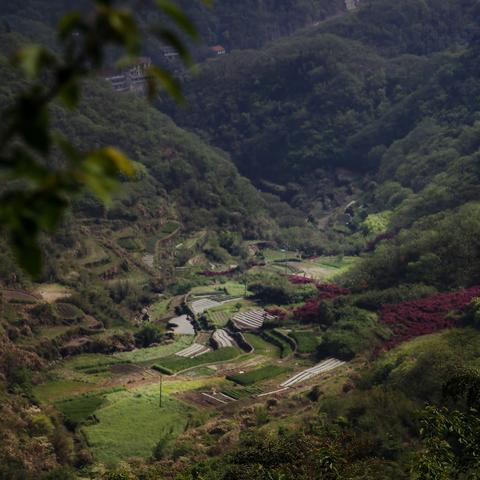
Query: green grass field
x=78 y=410
x=307 y=342
x=255 y=376
x=220 y=319
x=261 y=346
x=176 y=364
x=132 y=422
x=58 y=389
x=234 y=289
x=272 y=255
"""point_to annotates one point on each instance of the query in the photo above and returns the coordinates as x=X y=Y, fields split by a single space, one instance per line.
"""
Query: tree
x=450 y=437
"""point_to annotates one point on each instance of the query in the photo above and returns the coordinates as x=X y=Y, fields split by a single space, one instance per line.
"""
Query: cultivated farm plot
x=219 y=318
x=193 y=351
x=223 y=339
x=175 y=363
x=217 y=398
x=18 y=296
x=202 y=305
x=263 y=373
x=130 y=422
x=325 y=366
x=251 y=320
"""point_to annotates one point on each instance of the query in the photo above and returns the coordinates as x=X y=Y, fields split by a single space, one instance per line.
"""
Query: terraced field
x=223 y=339
x=258 y=375
x=193 y=351
x=202 y=305
x=176 y=364
x=251 y=320
x=219 y=319
x=325 y=366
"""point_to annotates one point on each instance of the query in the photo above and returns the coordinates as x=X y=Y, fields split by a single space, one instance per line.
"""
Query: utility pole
x=160 y=398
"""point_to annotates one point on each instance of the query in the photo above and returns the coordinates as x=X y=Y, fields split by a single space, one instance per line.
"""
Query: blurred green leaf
x=69 y=23
x=174 y=40
x=100 y=171
x=33 y=59
x=32 y=122
x=167 y=81
x=70 y=94
x=178 y=16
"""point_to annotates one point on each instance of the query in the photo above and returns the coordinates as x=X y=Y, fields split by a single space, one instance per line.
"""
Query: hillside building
x=132 y=78
x=352 y=4
x=169 y=53
x=218 y=50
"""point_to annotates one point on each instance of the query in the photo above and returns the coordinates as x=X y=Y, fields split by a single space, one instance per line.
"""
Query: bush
x=374 y=299
x=148 y=335
x=353 y=332
x=278 y=290
x=428 y=315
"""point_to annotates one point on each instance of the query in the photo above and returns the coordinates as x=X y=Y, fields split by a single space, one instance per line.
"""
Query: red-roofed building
x=218 y=50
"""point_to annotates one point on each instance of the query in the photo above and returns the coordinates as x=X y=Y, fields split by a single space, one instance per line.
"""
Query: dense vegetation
x=363 y=134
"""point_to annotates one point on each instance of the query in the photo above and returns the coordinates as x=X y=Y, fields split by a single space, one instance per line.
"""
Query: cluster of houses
x=134 y=77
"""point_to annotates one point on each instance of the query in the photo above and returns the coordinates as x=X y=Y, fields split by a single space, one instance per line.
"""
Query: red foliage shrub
x=329 y=290
x=381 y=238
x=326 y=290
x=299 y=280
x=208 y=273
x=308 y=313
x=411 y=319
x=280 y=313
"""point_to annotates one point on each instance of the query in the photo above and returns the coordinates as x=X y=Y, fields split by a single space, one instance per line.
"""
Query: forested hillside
x=332 y=94
x=378 y=92
x=234 y=25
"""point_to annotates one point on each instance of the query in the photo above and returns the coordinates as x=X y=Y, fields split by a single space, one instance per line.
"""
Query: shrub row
x=161 y=369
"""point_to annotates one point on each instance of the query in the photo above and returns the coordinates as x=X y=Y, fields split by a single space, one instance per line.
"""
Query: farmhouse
x=218 y=50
